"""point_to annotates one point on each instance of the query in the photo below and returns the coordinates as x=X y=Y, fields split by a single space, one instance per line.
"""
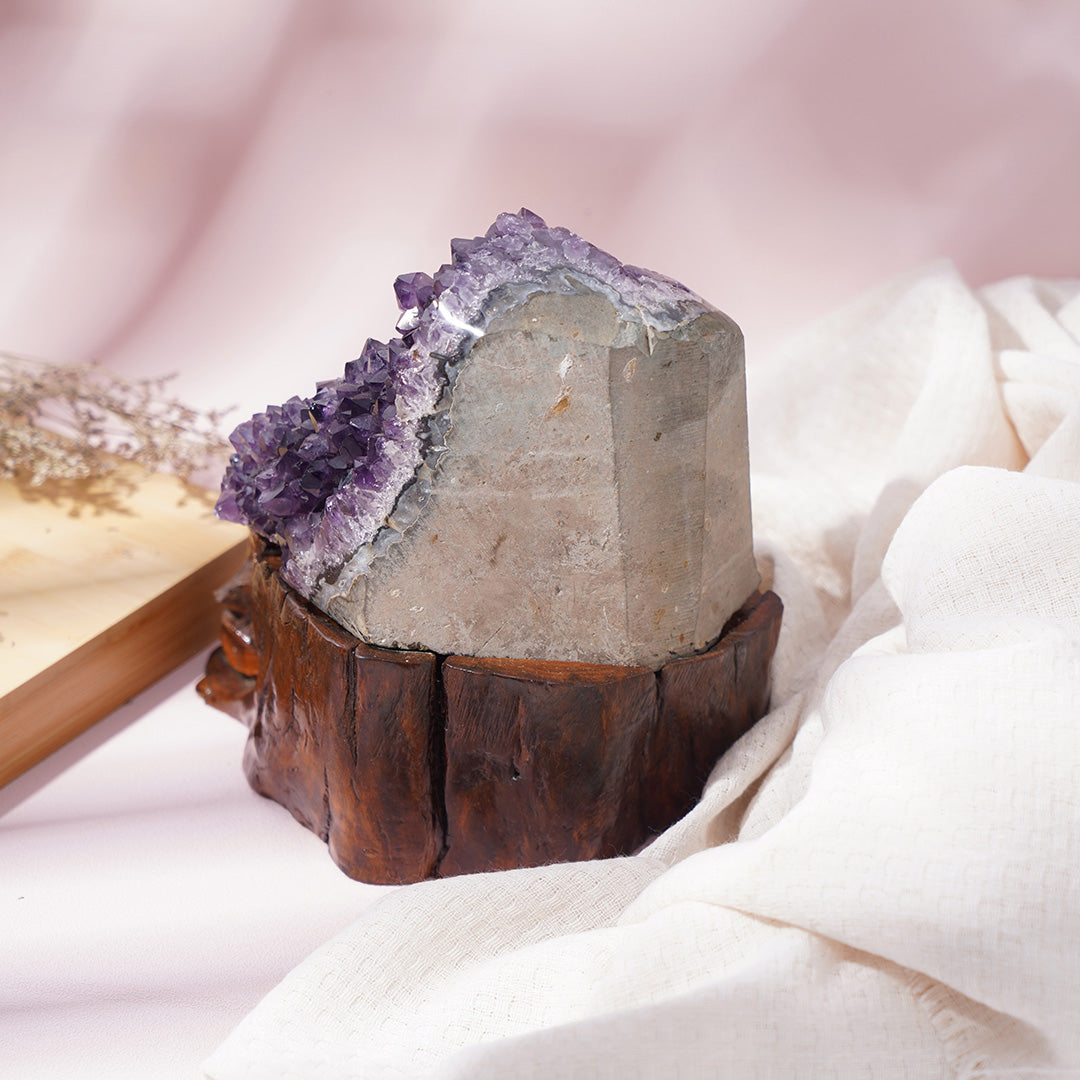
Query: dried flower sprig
x=72 y=423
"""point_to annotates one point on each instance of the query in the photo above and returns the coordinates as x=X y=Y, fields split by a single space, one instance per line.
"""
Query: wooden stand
x=412 y=765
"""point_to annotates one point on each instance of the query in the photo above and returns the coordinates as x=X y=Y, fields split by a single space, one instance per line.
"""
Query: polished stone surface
x=549 y=462
x=593 y=502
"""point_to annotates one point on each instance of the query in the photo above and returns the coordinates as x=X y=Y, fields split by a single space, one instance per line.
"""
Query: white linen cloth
x=881 y=878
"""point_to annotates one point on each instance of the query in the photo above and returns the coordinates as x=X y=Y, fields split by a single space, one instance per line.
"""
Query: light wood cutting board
x=99 y=598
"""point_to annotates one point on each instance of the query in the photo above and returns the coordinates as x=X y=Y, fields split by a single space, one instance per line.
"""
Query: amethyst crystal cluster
x=339 y=476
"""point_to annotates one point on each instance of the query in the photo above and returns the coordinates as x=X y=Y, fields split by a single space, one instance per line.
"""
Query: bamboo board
x=102 y=592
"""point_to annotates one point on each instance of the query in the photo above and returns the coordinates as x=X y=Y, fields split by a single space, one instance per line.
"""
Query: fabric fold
x=879 y=878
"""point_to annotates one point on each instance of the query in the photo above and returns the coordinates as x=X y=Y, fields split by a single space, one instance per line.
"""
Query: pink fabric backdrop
x=229 y=189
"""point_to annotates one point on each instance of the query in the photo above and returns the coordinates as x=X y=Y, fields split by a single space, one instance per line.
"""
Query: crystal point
x=413 y=290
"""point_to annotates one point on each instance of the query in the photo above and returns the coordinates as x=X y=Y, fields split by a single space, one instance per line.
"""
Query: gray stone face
x=592 y=503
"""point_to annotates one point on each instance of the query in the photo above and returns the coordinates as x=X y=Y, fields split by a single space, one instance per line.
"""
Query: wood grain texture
x=412 y=765
x=341 y=734
x=705 y=703
x=102 y=592
x=229 y=683
x=543 y=761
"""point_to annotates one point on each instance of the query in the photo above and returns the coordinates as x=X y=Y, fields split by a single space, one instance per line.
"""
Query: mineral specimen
x=549 y=462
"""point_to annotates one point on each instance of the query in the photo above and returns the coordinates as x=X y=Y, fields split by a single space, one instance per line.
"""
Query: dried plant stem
x=71 y=423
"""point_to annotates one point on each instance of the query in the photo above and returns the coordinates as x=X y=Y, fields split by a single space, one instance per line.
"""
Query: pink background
x=227 y=189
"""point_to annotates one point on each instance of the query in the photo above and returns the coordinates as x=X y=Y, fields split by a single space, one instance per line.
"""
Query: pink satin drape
x=227 y=190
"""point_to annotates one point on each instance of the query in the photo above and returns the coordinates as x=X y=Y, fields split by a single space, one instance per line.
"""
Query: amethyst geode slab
x=549 y=462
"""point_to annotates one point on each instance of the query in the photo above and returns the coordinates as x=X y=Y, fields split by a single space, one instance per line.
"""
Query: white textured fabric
x=881 y=878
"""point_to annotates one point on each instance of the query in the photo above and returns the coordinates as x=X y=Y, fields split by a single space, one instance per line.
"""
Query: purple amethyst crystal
x=347 y=470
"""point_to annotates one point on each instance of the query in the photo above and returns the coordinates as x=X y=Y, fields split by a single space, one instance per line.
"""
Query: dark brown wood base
x=412 y=765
